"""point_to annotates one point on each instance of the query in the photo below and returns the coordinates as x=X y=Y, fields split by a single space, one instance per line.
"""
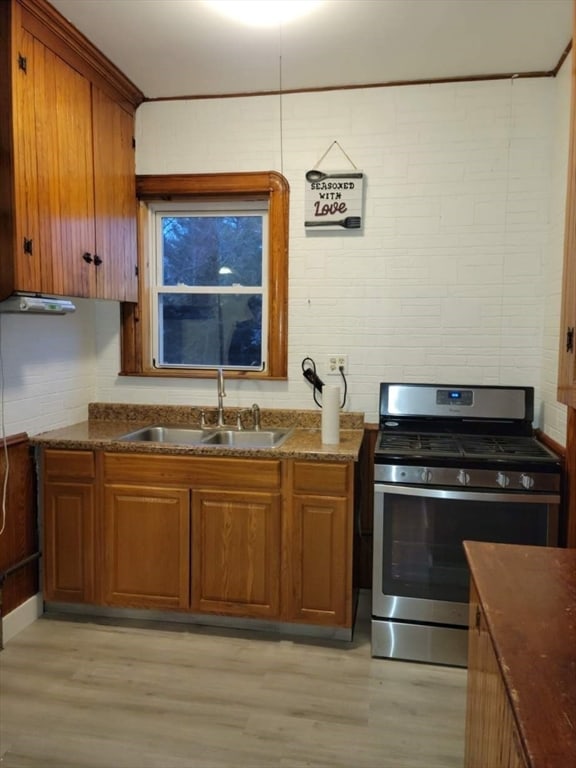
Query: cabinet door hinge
x=133 y=143
x=28 y=246
x=570 y=340
x=22 y=63
x=136 y=270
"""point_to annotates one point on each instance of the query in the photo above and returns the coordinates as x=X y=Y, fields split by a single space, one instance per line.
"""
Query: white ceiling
x=171 y=48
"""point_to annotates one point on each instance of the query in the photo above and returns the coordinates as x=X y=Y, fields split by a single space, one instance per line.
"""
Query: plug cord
x=341 y=369
x=309 y=373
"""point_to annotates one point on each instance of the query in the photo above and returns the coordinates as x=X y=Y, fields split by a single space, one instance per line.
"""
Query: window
x=213 y=277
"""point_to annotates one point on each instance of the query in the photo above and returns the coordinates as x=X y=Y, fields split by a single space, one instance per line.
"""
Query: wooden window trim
x=136 y=321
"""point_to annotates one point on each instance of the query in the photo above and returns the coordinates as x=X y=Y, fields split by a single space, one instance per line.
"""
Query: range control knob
x=426 y=476
x=526 y=481
x=502 y=480
x=463 y=477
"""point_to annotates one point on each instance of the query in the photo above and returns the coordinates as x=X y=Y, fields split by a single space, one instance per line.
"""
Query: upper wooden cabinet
x=68 y=201
x=567 y=364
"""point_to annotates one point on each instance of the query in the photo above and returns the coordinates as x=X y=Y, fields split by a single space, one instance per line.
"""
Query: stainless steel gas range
x=451 y=463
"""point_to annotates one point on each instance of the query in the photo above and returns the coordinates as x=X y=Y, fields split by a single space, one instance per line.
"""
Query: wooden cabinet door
x=63 y=110
x=236 y=553
x=146 y=547
x=25 y=271
x=321 y=571
x=68 y=556
x=115 y=199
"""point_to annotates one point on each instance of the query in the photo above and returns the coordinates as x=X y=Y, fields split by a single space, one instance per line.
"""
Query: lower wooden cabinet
x=254 y=538
x=236 y=553
x=146 y=547
x=491 y=735
x=319 y=560
x=320 y=544
x=68 y=526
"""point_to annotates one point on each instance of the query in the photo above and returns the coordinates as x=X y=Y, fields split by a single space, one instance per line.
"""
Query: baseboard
x=21 y=617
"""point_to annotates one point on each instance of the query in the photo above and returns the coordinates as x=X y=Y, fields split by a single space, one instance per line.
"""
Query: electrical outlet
x=334 y=363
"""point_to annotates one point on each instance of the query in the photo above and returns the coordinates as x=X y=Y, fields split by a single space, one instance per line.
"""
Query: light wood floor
x=77 y=694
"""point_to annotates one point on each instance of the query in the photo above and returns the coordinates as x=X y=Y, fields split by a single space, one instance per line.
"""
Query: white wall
x=452 y=276
x=455 y=277
x=48 y=369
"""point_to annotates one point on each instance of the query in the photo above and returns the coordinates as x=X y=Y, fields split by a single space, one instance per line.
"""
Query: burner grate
x=502 y=447
x=413 y=444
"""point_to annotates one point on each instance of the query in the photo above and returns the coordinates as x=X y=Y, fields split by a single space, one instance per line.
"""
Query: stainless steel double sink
x=219 y=436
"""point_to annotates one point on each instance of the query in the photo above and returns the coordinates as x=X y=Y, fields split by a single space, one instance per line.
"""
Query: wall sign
x=333 y=199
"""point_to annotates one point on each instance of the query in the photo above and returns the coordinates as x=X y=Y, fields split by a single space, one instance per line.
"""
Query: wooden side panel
x=491 y=735
x=115 y=199
x=570 y=479
x=236 y=553
x=146 y=547
x=7 y=202
x=19 y=538
x=364 y=504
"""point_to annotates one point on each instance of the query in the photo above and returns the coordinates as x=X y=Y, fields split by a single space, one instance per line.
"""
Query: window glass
x=209 y=294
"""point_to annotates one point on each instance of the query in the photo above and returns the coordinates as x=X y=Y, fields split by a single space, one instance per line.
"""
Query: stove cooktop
x=402 y=445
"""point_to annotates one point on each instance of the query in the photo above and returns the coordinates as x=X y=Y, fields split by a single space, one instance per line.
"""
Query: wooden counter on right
x=521 y=710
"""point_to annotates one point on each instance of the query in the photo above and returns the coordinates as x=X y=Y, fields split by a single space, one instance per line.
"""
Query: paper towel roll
x=330 y=414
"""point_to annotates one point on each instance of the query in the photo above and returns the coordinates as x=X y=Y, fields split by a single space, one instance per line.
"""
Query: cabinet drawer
x=76 y=464
x=193 y=471
x=321 y=477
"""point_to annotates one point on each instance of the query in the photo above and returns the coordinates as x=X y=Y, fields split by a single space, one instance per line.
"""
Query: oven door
x=419 y=568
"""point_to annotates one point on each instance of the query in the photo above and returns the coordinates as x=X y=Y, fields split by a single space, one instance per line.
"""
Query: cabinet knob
x=87 y=258
x=97 y=260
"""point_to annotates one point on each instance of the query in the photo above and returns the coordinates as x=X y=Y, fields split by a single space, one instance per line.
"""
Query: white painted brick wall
x=455 y=277
x=48 y=366
x=451 y=278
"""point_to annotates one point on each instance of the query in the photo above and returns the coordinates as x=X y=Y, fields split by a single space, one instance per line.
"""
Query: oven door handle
x=463 y=495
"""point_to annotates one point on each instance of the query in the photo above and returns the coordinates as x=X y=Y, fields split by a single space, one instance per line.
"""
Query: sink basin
x=230 y=438
x=264 y=438
x=177 y=435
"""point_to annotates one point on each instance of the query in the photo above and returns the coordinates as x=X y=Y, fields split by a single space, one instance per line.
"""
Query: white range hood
x=37 y=305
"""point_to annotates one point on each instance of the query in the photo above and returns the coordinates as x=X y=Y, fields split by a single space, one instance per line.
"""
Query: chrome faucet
x=256 y=416
x=221 y=396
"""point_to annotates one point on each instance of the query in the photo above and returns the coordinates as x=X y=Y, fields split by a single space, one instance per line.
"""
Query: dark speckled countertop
x=109 y=421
